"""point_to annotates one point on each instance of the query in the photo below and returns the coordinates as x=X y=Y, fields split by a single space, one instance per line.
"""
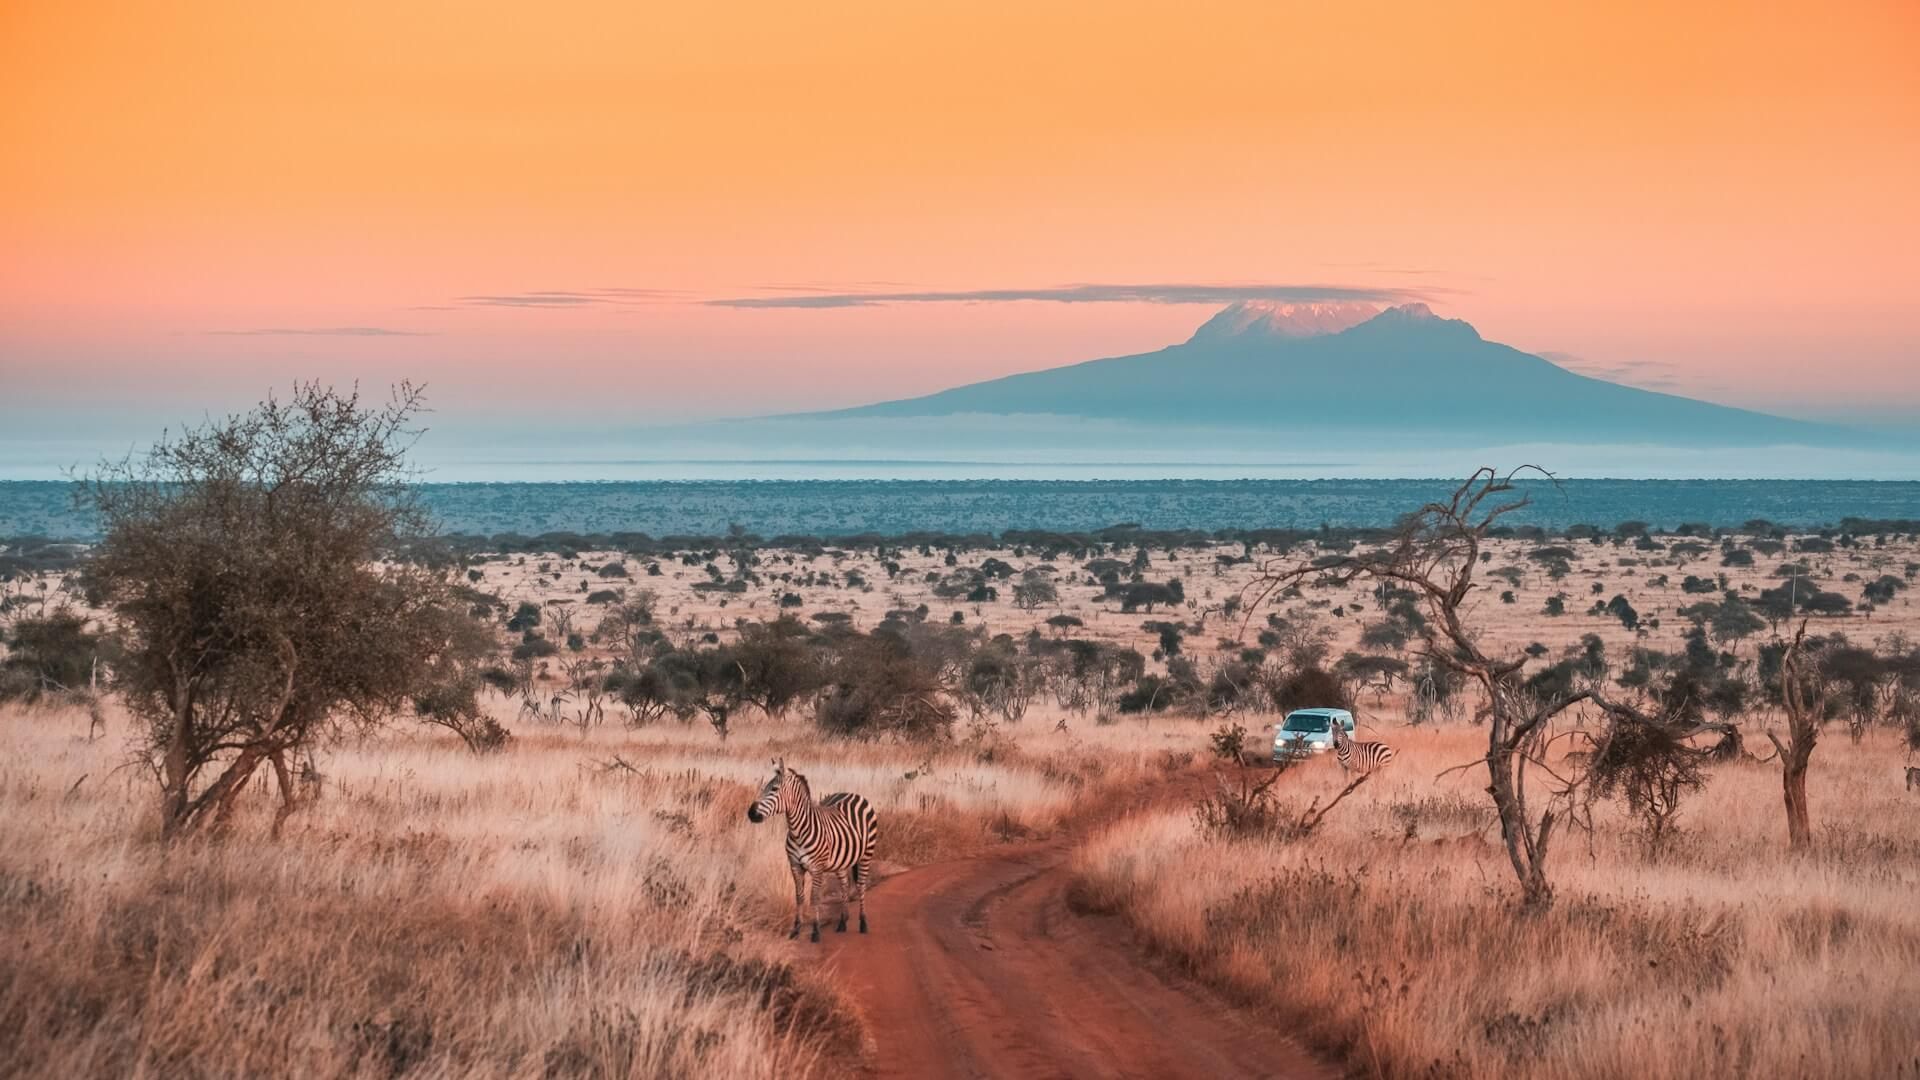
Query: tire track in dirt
x=979 y=967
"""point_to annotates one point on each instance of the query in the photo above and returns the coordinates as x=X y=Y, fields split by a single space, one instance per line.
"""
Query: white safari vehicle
x=1308 y=731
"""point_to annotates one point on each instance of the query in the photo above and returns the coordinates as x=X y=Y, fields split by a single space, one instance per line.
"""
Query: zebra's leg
x=799 y=887
x=813 y=904
x=862 y=870
x=846 y=896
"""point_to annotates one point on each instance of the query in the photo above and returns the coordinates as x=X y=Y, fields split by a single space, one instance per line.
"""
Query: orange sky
x=1714 y=199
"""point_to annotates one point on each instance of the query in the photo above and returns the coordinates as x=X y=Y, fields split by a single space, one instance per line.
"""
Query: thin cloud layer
x=1088 y=294
x=319 y=331
x=1648 y=374
x=568 y=298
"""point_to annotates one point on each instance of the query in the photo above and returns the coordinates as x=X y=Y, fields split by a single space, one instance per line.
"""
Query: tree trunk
x=1803 y=704
x=175 y=779
x=1526 y=850
x=225 y=792
x=284 y=778
x=1793 y=782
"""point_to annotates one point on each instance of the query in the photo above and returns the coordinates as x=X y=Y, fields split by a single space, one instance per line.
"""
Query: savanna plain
x=561 y=881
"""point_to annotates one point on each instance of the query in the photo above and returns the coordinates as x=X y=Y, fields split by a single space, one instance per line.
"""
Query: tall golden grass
x=540 y=911
x=1391 y=937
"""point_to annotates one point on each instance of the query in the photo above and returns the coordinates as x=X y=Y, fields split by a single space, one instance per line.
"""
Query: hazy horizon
x=1026 y=441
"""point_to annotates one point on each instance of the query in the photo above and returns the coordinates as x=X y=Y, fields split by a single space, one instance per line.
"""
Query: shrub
x=525 y=617
x=1150 y=694
x=1137 y=594
x=49 y=654
x=1309 y=688
x=533 y=648
x=1882 y=590
x=1622 y=610
x=1654 y=771
x=878 y=688
x=1169 y=634
x=454 y=705
x=1384 y=635
x=1826 y=603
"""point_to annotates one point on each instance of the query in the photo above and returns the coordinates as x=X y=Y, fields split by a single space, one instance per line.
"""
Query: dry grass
x=436 y=913
x=534 y=912
x=1391 y=938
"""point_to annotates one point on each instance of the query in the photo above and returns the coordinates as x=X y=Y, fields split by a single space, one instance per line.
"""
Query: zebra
x=833 y=836
x=1365 y=756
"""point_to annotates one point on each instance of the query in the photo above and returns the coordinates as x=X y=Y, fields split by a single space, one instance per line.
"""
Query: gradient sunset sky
x=534 y=208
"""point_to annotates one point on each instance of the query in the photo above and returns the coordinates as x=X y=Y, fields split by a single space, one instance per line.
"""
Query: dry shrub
x=878 y=688
x=1308 y=688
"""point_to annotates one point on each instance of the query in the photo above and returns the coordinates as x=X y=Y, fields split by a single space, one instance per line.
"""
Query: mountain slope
x=1343 y=369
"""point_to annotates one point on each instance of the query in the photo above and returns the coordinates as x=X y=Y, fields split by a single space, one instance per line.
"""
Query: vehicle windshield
x=1302 y=722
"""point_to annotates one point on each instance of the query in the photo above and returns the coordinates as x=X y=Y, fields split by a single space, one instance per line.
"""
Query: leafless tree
x=588 y=689
x=1803 y=697
x=560 y=619
x=1434 y=553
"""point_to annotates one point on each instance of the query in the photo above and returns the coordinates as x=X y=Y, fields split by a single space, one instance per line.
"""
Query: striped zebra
x=1364 y=756
x=833 y=836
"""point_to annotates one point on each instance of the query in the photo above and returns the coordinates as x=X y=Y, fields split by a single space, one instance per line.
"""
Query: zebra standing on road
x=834 y=836
x=1364 y=756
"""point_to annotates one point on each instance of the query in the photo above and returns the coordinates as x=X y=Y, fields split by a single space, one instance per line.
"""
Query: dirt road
x=979 y=968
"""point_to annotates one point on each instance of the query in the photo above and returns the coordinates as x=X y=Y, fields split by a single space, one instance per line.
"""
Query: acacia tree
x=1434 y=553
x=1035 y=588
x=243 y=563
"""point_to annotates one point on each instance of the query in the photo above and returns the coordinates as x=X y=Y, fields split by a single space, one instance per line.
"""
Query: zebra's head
x=776 y=795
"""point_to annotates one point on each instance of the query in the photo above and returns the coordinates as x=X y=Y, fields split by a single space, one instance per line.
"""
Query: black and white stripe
x=1364 y=756
x=833 y=836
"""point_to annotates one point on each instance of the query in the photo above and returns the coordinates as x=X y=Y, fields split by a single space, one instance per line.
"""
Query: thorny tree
x=243 y=563
x=1433 y=553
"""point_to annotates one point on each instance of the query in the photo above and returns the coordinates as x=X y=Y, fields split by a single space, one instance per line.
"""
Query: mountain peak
x=1411 y=311
x=1420 y=318
x=1280 y=319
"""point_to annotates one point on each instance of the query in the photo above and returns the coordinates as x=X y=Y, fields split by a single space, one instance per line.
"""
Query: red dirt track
x=980 y=968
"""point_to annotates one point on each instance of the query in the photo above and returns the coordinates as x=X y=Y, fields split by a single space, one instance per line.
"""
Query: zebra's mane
x=800 y=778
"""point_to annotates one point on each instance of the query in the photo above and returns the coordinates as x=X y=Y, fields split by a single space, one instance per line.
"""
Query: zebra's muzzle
x=754 y=815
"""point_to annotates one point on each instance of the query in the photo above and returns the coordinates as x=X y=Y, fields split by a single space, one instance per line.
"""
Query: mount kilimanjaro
x=1340 y=370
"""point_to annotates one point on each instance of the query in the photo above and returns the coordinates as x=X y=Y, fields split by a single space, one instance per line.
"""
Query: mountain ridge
x=1334 y=368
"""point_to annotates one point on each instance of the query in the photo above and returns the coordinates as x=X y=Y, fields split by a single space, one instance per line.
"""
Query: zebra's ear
x=779 y=764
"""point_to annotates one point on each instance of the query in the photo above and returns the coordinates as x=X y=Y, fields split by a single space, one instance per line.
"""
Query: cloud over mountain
x=320 y=331
x=1164 y=293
